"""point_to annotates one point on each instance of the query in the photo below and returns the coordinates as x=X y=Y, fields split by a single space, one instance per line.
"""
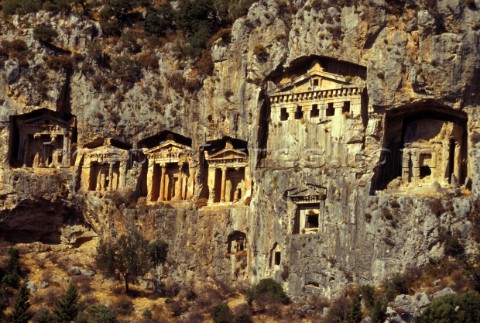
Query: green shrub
x=452 y=245
x=44 y=33
x=268 y=287
x=147 y=314
x=198 y=40
x=453 y=308
x=198 y=20
x=20 y=313
x=158 y=21
x=21 y=7
x=11 y=280
x=221 y=314
x=158 y=251
x=99 y=313
x=395 y=285
x=261 y=52
x=126 y=69
x=354 y=314
x=377 y=315
x=368 y=295
x=66 y=309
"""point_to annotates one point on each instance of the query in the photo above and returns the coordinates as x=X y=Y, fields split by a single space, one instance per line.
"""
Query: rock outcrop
x=346 y=136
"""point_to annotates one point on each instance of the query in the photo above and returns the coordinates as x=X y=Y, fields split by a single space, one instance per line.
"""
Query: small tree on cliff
x=20 y=312
x=66 y=309
x=125 y=258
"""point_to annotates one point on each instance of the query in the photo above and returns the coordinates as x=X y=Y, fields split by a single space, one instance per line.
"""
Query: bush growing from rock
x=368 y=295
x=395 y=285
x=20 y=312
x=158 y=21
x=44 y=33
x=377 y=315
x=157 y=251
x=268 y=288
x=66 y=309
x=221 y=314
x=99 y=313
x=454 y=308
x=125 y=258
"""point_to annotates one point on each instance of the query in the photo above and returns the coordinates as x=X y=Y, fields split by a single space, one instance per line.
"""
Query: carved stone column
x=151 y=165
x=457 y=169
x=406 y=166
x=223 y=184
x=122 y=175
x=26 y=156
x=110 y=177
x=178 y=186
x=66 y=151
x=163 y=173
x=101 y=181
x=211 y=184
x=415 y=167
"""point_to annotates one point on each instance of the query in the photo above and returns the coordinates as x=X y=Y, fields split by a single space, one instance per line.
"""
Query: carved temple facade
x=170 y=175
x=315 y=95
x=42 y=139
x=424 y=144
x=103 y=165
x=307 y=205
x=228 y=173
x=432 y=152
x=330 y=105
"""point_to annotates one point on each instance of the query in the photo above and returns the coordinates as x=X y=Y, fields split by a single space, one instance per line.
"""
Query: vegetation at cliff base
x=129 y=256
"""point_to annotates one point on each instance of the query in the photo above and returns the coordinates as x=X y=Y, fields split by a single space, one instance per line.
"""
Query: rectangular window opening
x=346 y=107
x=283 y=114
x=278 y=258
x=312 y=221
x=315 y=112
x=330 y=110
x=299 y=113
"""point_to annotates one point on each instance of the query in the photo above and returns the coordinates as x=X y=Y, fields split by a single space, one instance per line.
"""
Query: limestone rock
x=346 y=123
x=444 y=292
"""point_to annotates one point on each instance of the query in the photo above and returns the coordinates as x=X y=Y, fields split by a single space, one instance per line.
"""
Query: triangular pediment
x=168 y=146
x=106 y=153
x=228 y=153
x=108 y=149
x=316 y=78
x=306 y=193
x=47 y=121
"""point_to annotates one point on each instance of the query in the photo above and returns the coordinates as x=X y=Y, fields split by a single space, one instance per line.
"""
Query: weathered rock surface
x=414 y=55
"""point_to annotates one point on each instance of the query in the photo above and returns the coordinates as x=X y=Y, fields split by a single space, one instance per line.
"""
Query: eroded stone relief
x=307 y=208
x=228 y=174
x=42 y=139
x=424 y=147
x=321 y=115
x=170 y=171
x=103 y=167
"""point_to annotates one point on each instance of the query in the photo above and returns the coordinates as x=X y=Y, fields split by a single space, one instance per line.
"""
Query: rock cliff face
x=361 y=129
